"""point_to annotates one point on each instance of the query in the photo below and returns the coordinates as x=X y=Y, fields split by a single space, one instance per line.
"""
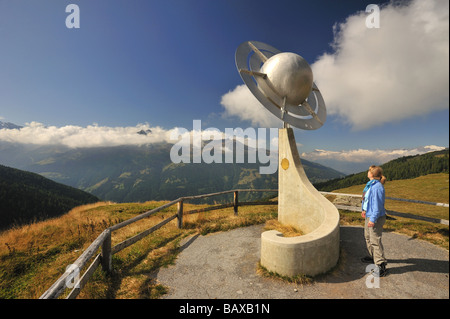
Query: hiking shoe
x=382 y=270
x=367 y=259
x=379 y=270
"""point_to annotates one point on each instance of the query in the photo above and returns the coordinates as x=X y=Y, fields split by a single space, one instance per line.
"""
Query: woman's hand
x=369 y=223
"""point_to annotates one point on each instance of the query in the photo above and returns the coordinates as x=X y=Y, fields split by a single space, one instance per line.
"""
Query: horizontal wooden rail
x=84 y=279
x=392 y=198
x=143 y=215
x=207 y=209
x=226 y=192
x=394 y=213
x=424 y=218
x=341 y=194
x=418 y=201
x=136 y=238
x=258 y=203
x=60 y=285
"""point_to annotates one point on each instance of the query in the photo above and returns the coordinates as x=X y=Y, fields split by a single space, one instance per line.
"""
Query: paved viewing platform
x=223 y=266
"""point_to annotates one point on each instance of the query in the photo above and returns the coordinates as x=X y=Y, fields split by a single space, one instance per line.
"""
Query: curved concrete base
x=302 y=206
x=311 y=254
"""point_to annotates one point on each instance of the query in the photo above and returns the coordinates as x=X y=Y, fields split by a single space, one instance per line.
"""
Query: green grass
x=431 y=188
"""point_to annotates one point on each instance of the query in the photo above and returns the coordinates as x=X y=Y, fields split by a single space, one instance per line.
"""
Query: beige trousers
x=373 y=240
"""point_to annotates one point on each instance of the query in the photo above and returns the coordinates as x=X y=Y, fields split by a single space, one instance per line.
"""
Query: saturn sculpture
x=283 y=83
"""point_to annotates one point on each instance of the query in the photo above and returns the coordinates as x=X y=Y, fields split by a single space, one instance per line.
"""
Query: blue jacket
x=375 y=201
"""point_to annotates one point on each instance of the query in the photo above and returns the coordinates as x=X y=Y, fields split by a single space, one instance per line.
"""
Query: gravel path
x=223 y=266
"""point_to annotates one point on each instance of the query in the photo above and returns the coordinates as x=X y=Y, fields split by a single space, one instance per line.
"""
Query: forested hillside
x=401 y=168
x=25 y=197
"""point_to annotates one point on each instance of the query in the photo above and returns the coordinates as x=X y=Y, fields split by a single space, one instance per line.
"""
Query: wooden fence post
x=236 y=202
x=180 y=214
x=106 y=253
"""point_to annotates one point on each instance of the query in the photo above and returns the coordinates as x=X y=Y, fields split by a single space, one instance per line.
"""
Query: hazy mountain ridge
x=401 y=168
x=141 y=173
x=9 y=125
x=356 y=160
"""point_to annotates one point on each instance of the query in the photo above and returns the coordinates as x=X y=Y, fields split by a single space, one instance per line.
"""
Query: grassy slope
x=432 y=188
x=32 y=257
x=26 y=196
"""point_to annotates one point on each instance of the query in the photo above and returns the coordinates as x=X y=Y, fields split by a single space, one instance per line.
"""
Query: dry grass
x=32 y=257
x=39 y=236
x=286 y=230
x=35 y=255
x=299 y=279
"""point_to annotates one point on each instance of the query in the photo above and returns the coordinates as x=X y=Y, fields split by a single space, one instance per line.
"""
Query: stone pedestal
x=302 y=206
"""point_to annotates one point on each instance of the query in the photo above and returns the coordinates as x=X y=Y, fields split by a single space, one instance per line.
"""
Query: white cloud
x=364 y=155
x=99 y=136
x=77 y=136
x=241 y=103
x=397 y=71
x=375 y=76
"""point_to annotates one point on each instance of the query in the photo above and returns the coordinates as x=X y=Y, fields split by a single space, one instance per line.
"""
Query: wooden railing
x=70 y=278
x=394 y=213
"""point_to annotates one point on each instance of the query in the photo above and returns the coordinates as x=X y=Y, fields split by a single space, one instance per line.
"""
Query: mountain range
x=141 y=173
x=405 y=167
x=8 y=125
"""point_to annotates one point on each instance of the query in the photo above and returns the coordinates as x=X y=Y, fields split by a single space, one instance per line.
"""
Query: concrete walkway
x=223 y=266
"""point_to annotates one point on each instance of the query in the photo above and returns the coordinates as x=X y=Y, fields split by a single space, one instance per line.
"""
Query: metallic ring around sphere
x=250 y=57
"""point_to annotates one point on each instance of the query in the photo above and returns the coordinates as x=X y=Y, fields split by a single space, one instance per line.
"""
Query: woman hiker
x=375 y=216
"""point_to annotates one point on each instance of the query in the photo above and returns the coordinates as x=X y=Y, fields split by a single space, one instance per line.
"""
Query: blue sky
x=165 y=62
x=169 y=62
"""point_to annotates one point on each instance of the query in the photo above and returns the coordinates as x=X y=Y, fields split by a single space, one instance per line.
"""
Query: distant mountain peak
x=142 y=132
x=9 y=126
